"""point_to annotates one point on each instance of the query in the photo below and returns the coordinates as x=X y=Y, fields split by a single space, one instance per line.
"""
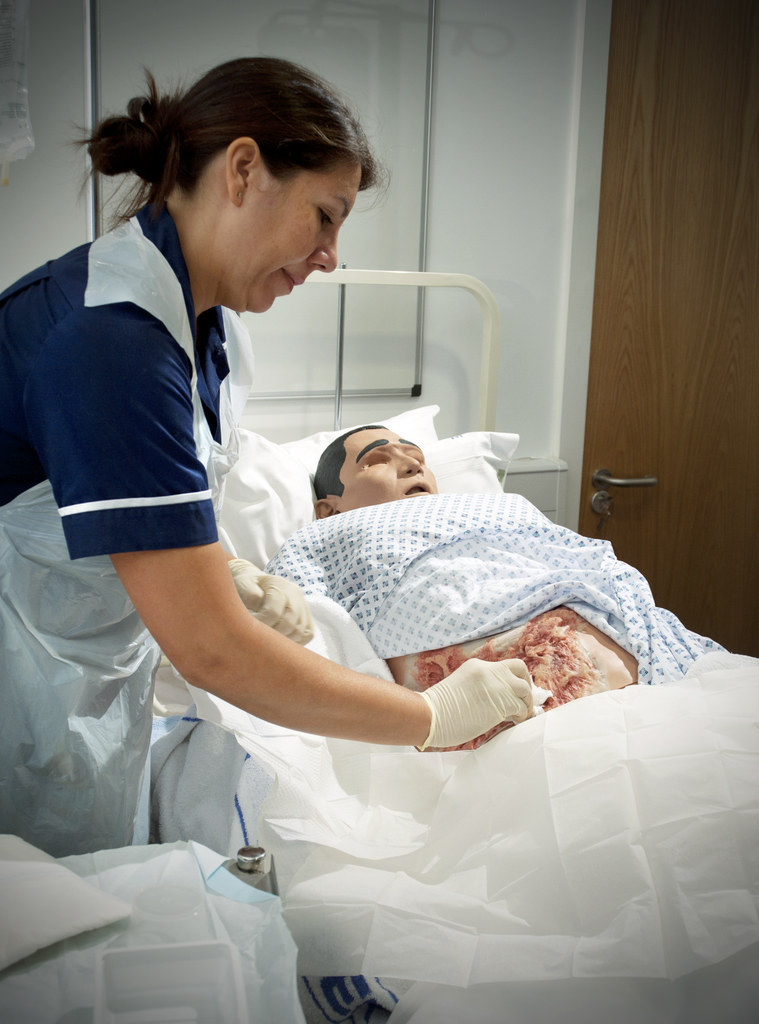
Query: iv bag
x=16 y=138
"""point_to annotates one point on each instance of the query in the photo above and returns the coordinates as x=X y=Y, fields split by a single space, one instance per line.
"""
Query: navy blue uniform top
x=98 y=400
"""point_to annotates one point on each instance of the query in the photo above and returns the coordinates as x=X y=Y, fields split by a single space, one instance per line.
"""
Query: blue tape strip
x=225 y=883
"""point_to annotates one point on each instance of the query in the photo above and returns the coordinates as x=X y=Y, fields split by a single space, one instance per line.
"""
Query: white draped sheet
x=616 y=836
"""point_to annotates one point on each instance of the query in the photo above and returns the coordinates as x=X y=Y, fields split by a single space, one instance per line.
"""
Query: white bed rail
x=491 y=320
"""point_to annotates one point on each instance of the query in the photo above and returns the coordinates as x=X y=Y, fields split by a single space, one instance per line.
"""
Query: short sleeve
x=109 y=411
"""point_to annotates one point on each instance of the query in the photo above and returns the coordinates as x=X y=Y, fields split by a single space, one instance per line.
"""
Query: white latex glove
x=275 y=602
x=474 y=698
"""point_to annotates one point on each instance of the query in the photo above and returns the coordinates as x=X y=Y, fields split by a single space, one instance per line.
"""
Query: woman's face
x=284 y=231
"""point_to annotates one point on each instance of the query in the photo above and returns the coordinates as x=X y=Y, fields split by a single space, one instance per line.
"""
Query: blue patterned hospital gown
x=427 y=572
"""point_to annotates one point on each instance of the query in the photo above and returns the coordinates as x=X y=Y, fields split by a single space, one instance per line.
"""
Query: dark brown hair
x=298 y=120
x=327 y=477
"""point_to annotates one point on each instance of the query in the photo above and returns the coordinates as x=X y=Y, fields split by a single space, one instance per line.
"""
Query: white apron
x=76 y=662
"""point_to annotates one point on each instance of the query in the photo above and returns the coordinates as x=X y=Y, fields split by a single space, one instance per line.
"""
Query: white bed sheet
x=727 y=992
x=617 y=836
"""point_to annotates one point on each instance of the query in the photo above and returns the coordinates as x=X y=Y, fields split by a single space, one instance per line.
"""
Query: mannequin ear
x=326 y=507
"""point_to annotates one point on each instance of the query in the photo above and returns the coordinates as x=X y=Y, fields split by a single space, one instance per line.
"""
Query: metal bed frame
x=491 y=334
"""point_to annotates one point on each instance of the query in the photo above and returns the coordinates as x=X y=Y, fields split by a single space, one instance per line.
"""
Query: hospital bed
x=600 y=860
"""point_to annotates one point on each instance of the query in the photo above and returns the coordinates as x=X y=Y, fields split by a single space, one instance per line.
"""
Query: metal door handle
x=602 y=478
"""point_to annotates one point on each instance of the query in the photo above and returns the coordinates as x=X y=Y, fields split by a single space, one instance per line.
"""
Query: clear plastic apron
x=76 y=662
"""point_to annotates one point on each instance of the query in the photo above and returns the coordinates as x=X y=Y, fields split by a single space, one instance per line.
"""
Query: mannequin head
x=369 y=466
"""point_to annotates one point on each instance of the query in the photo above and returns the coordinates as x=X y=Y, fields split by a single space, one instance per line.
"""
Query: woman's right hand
x=476 y=697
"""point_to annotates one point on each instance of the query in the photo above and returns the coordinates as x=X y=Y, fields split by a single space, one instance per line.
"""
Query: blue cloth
x=428 y=572
x=351 y=999
x=98 y=400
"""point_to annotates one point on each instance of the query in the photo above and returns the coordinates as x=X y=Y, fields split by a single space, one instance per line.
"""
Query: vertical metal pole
x=340 y=352
x=92 y=108
x=424 y=212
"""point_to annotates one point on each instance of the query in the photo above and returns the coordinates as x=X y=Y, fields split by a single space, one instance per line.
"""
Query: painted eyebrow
x=383 y=440
x=372 y=444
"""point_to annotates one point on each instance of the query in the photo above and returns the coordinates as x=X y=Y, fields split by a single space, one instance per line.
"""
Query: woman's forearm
x=186 y=598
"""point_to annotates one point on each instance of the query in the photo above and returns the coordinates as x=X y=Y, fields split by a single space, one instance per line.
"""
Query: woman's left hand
x=273 y=601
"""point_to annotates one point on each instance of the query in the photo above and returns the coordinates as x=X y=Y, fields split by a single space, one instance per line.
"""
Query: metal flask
x=254 y=867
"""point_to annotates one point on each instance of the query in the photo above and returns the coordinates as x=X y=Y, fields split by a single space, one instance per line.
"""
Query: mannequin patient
x=566 y=655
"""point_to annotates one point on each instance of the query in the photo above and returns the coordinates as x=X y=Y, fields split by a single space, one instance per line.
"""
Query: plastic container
x=169 y=913
x=179 y=983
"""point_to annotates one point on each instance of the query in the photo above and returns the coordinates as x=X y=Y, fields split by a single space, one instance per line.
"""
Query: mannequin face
x=379 y=467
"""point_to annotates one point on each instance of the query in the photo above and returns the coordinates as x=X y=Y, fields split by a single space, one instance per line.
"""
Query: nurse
x=123 y=370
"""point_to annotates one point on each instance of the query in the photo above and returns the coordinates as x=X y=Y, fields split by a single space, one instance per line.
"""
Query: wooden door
x=674 y=366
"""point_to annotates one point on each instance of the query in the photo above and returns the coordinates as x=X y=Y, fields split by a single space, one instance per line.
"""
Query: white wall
x=516 y=147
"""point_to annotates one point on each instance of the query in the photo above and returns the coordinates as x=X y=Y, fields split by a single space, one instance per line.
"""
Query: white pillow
x=415 y=425
x=469 y=463
x=267 y=497
x=42 y=902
